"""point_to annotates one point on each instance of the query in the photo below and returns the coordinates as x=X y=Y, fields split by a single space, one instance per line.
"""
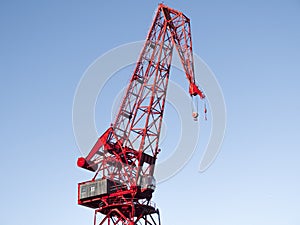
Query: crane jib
x=123 y=158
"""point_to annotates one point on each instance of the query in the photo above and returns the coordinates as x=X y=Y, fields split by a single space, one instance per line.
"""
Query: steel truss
x=125 y=155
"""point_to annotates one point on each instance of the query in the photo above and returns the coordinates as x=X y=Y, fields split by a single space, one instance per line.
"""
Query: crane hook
x=205 y=111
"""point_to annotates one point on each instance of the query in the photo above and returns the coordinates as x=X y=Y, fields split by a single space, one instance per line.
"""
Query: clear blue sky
x=252 y=47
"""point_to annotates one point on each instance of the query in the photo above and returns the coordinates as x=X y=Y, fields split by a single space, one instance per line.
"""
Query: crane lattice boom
x=124 y=156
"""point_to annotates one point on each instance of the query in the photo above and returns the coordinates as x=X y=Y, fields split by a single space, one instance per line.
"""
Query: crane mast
x=124 y=157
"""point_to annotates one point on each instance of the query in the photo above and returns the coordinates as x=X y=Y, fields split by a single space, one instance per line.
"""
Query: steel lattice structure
x=124 y=156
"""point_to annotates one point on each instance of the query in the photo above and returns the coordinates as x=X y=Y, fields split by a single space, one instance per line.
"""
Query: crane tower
x=123 y=158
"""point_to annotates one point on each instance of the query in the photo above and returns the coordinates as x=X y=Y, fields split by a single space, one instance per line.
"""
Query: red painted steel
x=125 y=155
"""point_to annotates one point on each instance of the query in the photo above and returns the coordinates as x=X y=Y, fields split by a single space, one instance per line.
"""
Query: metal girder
x=125 y=155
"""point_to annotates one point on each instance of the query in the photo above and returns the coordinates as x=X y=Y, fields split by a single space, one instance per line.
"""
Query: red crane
x=123 y=158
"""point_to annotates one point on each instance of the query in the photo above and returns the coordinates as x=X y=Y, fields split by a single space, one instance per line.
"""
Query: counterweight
x=124 y=157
